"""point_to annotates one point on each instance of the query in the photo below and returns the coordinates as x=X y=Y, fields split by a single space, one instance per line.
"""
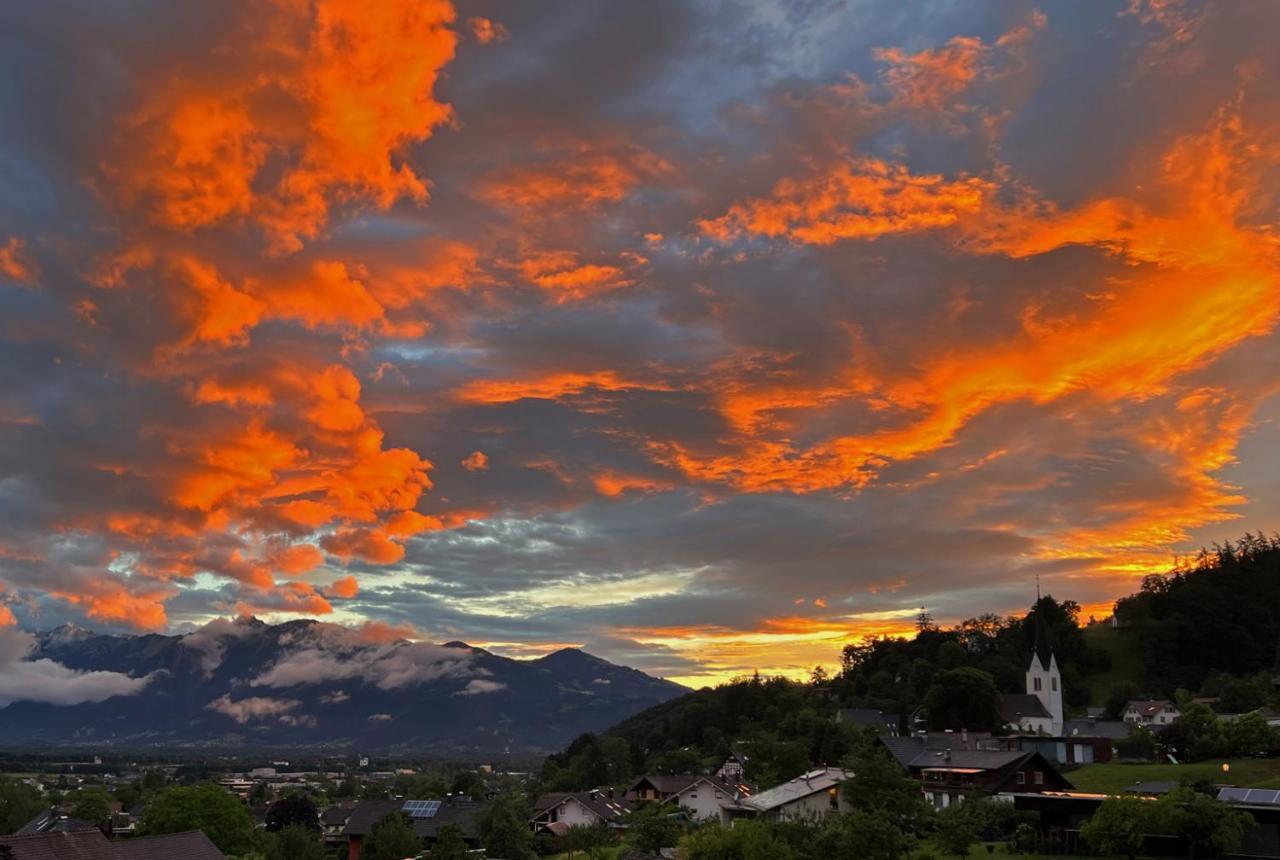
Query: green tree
x=449 y=844
x=651 y=827
x=964 y=698
x=92 y=805
x=591 y=838
x=746 y=840
x=19 y=803
x=1249 y=734
x=1195 y=735
x=392 y=838
x=296 y=810
x=469 y=783
x=504 y=828
x=1120 y=825
x=879 y=786
x=294 y=843
x=205 y=806
x=957 y=830
x=861 y=835
x=1211 y=828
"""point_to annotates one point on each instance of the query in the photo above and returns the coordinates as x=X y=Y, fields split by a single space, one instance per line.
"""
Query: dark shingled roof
x=461 y=814
x=53 y=821
x=1110 y=729
x=92 y=845
x=1015 y=706
x=606 y=808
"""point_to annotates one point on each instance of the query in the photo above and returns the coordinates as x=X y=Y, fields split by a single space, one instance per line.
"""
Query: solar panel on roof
x=421 y=808
x=1263 y=795
x=1236 y=794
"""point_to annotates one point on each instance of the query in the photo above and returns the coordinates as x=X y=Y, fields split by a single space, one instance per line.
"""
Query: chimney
x=964 y=739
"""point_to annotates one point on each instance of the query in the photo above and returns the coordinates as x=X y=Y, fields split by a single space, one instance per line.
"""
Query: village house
x=699 y=795
x=885 y=724
x=950 y=775
x=558 y=811
x=809 y=797
x=428 y=817
x=1152 y=713
x=734 y=769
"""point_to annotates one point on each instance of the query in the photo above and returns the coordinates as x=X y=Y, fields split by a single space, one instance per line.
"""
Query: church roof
x=1015 y=706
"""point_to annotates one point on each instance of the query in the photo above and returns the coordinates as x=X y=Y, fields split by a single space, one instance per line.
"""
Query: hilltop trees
x=896 y=675
x=207 y=807
x=964 y=698
x=1219 y=612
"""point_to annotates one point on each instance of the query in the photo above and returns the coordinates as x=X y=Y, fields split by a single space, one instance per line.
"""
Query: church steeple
x=1044 y=647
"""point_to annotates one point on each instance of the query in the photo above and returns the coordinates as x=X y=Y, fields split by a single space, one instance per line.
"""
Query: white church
x=1039 y=710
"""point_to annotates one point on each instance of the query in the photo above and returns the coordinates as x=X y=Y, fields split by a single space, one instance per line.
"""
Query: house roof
x=1110 y=729
x=336 y=816
x=92 y=845
x=869 y=717
x=822 y=779
x=670 y=785
x=53 y=821
x=1149 y=707
x=977 y=760
x=460 y=813
x=1014 y=707
x=666 y=784
x=606 y=808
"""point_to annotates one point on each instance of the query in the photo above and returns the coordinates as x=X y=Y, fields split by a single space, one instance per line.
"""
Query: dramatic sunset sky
x=707 y=335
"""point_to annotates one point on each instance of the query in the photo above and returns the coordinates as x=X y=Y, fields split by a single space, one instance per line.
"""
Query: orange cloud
x=561 y=272
x=345 y=588
x=109 y=600
x=487 y=32
x=14 y=264
x=614 y=484
x=573 y=175
x=859 y=199
x=334 y=91
x=553 y=386
x=368 y=545
x=476 y=461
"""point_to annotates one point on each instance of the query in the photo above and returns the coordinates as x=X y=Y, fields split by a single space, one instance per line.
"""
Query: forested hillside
x=1218 y=614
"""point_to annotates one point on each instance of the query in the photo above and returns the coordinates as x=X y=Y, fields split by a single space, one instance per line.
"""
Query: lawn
x=1115 y=777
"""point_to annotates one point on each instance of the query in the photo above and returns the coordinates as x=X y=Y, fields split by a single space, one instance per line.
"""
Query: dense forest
x=1208 y=627
x=1219 y=613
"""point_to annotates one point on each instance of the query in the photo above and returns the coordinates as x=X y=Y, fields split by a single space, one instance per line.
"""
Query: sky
x=709 y=336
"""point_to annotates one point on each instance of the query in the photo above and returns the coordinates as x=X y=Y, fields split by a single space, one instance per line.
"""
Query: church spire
x=1044 y=647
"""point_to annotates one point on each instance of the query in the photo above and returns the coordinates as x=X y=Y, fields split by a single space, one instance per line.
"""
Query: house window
x=1054 y=681
x=1039 y=777
x=1036 y=682
x=1022 y=778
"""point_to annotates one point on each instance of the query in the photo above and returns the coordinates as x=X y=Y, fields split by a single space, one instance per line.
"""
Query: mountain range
x=307 y=683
